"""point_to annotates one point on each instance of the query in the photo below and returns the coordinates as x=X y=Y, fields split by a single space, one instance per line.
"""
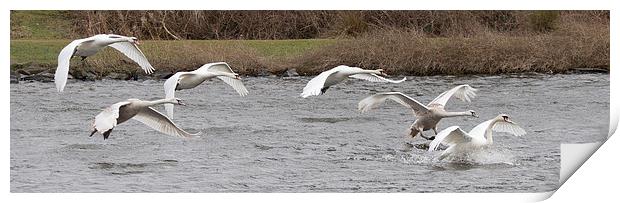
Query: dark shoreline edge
x=45 y=75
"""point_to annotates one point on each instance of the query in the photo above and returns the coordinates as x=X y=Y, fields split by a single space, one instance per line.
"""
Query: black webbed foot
x=92 y=133
x=106 y=134
x=427 y=138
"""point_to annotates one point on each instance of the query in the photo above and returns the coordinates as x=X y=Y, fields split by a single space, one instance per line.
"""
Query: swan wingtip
x=195 y=135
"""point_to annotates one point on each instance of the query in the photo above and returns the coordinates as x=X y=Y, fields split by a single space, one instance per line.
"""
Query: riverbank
x=398 y=53
x=247 y=57
x=415 y=43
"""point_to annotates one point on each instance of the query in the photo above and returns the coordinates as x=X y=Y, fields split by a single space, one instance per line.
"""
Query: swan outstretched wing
x=224 y=67
x=64 y=59
x=480 y=129
x=504 y=127
x=236 y=84
x=161 y=123
x=106 y=120
x=218 y=66
x=510 y=128
x=134 y=53
x=314 y=86
x=463 y=92
x=449 y=136
x=375 y=78
x=374 y=101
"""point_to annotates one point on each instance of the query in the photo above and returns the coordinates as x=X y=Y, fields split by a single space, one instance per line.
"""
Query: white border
x=590 y=183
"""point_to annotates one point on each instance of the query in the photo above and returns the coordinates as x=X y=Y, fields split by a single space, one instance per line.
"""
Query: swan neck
x=219 y=73
x=354 y=72
x=230 y=75
x=370 y=71
x=488 y=133
x=456 y=114
x=161 y=101
x=116 y=40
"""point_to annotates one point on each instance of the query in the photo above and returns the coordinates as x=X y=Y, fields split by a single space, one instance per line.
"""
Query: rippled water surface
x=274 y=141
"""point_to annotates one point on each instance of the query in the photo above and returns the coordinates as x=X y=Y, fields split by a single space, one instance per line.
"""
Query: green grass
x=39 y=25
x=286 y=48
x=36 y=51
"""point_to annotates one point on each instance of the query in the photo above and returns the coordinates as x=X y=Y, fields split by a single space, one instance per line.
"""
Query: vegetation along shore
x=259 y=43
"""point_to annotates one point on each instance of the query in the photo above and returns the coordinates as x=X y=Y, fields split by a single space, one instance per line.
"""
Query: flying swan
x=188 y=80
x=459 y=141
x=319 y=84
x=89 y=46
x=427 y=115
x=141 y=111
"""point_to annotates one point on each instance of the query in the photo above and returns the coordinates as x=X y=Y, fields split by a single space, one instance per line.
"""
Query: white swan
x=187 y=80
x=140 y=111
x=319 y=84
x=427 y=115
x=459 y=141
x=89 y=46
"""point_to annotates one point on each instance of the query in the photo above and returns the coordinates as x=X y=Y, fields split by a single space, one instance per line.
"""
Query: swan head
x=505 y=118
x=381 y=72
x=134 y=40
x=473 y=113
x=231 y=75
x=178 y=101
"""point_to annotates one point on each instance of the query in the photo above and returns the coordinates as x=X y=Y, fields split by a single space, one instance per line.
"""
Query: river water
x=274 y=141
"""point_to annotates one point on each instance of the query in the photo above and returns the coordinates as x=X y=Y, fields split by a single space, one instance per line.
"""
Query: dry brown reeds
x=205 y=24
x=572 y=40
x=316 y=24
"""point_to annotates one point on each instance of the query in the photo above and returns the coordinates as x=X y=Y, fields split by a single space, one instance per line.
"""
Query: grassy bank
x=41 y=25
x=246 y=56
x=399 y=53
x=402 y=42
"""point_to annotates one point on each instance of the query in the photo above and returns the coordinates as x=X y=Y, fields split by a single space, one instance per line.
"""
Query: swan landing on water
x=460 y=142
x=427 y=116
x=89 y=46
x=141 y=111
x=319 y=84
x=188 y=80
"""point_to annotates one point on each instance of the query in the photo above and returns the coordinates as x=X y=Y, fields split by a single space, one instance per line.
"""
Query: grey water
x=274 y=141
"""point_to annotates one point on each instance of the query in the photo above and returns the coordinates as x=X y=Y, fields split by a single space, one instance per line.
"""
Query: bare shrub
x=543 y=21
x=316 y=24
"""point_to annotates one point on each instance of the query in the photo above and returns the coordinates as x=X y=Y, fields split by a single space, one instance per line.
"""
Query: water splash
x=484 y=156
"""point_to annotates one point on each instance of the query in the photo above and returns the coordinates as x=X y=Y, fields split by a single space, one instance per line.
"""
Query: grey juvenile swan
x=459 y=141
x=141 y=111
x=427 y=115
x=89 y=46
x=319 y=84
x=188 y=80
